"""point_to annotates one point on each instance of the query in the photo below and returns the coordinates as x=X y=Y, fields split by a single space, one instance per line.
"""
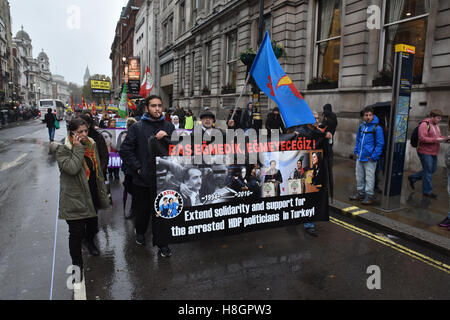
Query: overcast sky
x=73 y=33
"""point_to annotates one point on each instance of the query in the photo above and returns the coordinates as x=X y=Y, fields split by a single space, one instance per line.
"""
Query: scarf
x=89 y=151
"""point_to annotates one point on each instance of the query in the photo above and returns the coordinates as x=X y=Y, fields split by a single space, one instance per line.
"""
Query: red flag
x=71 y=101
x=83 y=102
x=147 y=84
x=131 y=104
x=93 y=106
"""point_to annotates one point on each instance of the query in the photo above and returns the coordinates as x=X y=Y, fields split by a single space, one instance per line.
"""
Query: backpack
x=374 y=132
x=415 y=134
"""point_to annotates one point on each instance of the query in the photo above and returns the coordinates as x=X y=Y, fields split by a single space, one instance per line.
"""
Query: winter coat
x=274 y=122
x=428 y=143
x=49 y=119
x=246 y=121
x=369 y=141
x=75 y=200
x=136 y=151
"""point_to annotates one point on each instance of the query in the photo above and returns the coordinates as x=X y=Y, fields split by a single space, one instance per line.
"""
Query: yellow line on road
x=349 y=209
x=388 y=242
x=358 y=212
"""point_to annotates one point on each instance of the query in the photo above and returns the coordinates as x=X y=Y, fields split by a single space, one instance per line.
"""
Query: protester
x=176 y=122
x=274 y=121
x=100 y=143
x=428 y=148
x=137 y=156
x=247 y=121
x=50 y=119
x=189 y=124
x=368 y=149
x=82 y=190
x=105 y=119
x=446 y=222
x=235 y=123
x=181 y=116
x=128 y=180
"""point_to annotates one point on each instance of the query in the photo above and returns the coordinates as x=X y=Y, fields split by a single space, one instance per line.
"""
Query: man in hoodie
x=274 y=121
x=428 y=148
x=247 y=121
x=137 y=155
x=368 y=149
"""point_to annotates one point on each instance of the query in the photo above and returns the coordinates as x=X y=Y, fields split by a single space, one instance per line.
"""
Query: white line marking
x=8 y=165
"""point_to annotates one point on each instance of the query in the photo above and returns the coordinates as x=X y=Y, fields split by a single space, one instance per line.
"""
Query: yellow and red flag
x=131 y=104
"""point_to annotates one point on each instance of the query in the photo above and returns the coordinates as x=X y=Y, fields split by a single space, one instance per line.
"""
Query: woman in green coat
x=82 y=189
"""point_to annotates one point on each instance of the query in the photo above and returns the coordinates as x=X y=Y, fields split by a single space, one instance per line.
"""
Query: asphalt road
x=283 y=263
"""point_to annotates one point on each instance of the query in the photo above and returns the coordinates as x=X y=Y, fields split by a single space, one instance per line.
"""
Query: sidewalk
x=418 y=217
x=16 y=123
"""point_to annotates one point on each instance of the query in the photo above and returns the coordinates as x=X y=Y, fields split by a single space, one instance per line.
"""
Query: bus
x=56 y=105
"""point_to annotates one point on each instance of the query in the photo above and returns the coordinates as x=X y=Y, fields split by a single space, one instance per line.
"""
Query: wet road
x=282 y=263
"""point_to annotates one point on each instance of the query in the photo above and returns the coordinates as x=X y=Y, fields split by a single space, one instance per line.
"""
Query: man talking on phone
x=136 y=154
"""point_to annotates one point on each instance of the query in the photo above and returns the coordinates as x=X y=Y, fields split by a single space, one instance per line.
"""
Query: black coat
x=49 y=119
x=274 y=122
x=137 y=152
x=102 y=148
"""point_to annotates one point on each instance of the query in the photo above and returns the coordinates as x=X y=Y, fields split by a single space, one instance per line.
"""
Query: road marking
x=8 y=165
x=349 y=209
x=388 y=242
x=355 y=213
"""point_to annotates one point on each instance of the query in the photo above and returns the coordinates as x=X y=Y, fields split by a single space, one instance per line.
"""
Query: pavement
x=418 y=217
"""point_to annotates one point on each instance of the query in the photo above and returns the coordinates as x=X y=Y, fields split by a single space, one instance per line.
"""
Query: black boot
x=92 y=248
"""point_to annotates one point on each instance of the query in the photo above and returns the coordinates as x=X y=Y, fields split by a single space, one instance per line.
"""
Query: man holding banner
x=137 y=156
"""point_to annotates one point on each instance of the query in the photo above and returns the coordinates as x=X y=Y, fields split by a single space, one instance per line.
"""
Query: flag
x=83 y=102
x=71 y=101
x=147 y=84
x=123 y=103
x=93 y=106
x=131 y=104
x=274 y=82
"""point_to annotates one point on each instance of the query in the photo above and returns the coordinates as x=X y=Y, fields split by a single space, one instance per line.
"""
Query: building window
x=192 y=72
x=405 y=22
x=328 y=39
x=182 y=75
x=164 y=34
x=170 y=30
x=182 y=18
x=208 y=65
x=231 y=69
x=167 y=68
x=194 y=11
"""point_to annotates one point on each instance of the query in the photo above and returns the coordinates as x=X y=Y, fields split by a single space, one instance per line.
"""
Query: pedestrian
x=100 y=142
x=274 y=121
x=128 y=180
x=181 y=116
x=428 y=147
x=235 y=123
x=176 y=122
x=82 y=190
x=446 y=222
x=189 y=125
x=247 y=121
x=50 y=119
x=138 y=158
x=368 y=149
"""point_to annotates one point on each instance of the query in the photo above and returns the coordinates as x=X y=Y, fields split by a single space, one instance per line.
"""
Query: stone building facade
x=336 y=51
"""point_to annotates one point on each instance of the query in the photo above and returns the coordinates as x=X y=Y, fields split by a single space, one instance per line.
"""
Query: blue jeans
x=365 y=177
x=51 y=133
x=429 y=166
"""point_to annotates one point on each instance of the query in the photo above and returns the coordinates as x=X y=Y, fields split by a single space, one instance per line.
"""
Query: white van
x=56 y=105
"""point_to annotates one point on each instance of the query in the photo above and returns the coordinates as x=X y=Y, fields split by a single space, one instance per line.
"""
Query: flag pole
x=237 y=102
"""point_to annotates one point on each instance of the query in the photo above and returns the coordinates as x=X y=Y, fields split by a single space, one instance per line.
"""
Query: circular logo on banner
x=168 y=204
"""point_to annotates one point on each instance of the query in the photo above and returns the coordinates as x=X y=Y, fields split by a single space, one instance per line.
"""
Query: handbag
x=56 y=122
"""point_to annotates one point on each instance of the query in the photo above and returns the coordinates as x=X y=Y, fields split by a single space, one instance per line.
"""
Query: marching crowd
x=83 y=160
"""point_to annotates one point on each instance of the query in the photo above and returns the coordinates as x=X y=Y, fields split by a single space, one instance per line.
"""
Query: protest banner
x=214 y=198
x=114 y=138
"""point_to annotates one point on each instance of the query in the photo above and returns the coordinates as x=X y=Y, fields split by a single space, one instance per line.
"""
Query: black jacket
x=274 y=122
x=50 y=120
x=136 y=151
x=102 y=148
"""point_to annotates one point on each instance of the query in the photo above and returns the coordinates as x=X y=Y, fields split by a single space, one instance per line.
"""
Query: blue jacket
x=369 y=141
